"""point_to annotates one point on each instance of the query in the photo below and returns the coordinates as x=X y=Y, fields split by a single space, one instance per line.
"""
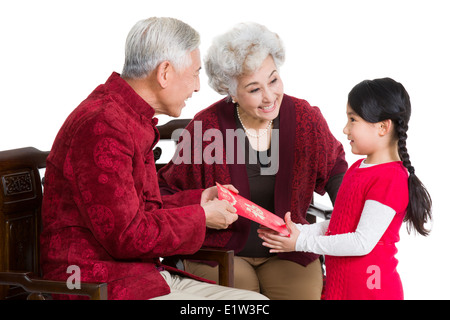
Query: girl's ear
x=385 y=127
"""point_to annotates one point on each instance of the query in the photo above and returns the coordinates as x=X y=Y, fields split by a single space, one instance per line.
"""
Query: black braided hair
x=382 y=99
x=402 y=151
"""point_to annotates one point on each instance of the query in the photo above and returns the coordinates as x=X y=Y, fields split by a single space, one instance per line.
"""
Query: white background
x=54 y=53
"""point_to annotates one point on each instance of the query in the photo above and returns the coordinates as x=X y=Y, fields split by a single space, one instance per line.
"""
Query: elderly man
x=102 y=209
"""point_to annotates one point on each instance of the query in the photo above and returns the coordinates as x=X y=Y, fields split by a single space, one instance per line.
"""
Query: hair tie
x=411 y=170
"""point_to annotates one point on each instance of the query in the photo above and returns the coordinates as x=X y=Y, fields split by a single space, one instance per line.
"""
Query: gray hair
x=240 y=51
x=154 y=40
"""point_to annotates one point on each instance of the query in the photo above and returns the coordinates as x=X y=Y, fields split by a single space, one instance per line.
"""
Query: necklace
x=264 y=131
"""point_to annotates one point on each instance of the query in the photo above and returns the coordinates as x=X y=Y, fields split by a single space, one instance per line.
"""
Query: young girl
x=377 y=194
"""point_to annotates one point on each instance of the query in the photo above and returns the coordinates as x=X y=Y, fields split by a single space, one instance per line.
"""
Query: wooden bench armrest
x=225 y=259
x=36 y=286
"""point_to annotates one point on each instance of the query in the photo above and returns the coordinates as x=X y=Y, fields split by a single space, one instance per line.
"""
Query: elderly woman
x=289 y=151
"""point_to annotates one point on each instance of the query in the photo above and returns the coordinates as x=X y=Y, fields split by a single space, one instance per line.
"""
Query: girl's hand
x=277 y=242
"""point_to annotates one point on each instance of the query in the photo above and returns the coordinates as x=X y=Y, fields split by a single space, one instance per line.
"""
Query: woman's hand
x=278 y=243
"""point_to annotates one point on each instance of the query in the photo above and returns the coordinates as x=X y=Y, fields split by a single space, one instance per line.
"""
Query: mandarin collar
x=118 y=85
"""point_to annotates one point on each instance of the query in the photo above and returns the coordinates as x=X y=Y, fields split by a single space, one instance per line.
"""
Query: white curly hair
x=240 y=51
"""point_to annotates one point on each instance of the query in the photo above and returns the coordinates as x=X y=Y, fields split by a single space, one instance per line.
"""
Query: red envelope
x=252 y=211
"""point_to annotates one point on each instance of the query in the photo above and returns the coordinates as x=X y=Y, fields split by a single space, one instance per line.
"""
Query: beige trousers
x=183 y=288
x=273 y=277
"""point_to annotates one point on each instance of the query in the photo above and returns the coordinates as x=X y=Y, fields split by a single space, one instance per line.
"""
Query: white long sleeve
x=374 y=221
x=315 y=229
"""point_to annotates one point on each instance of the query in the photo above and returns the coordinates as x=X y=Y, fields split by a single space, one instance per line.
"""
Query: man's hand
x=219 y=214
x=211 y=193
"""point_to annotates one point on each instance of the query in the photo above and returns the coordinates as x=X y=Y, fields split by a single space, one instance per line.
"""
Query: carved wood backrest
x=20 y=205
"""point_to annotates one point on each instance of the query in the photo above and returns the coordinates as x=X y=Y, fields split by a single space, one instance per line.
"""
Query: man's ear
x=162 y=73
x=385 y=127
